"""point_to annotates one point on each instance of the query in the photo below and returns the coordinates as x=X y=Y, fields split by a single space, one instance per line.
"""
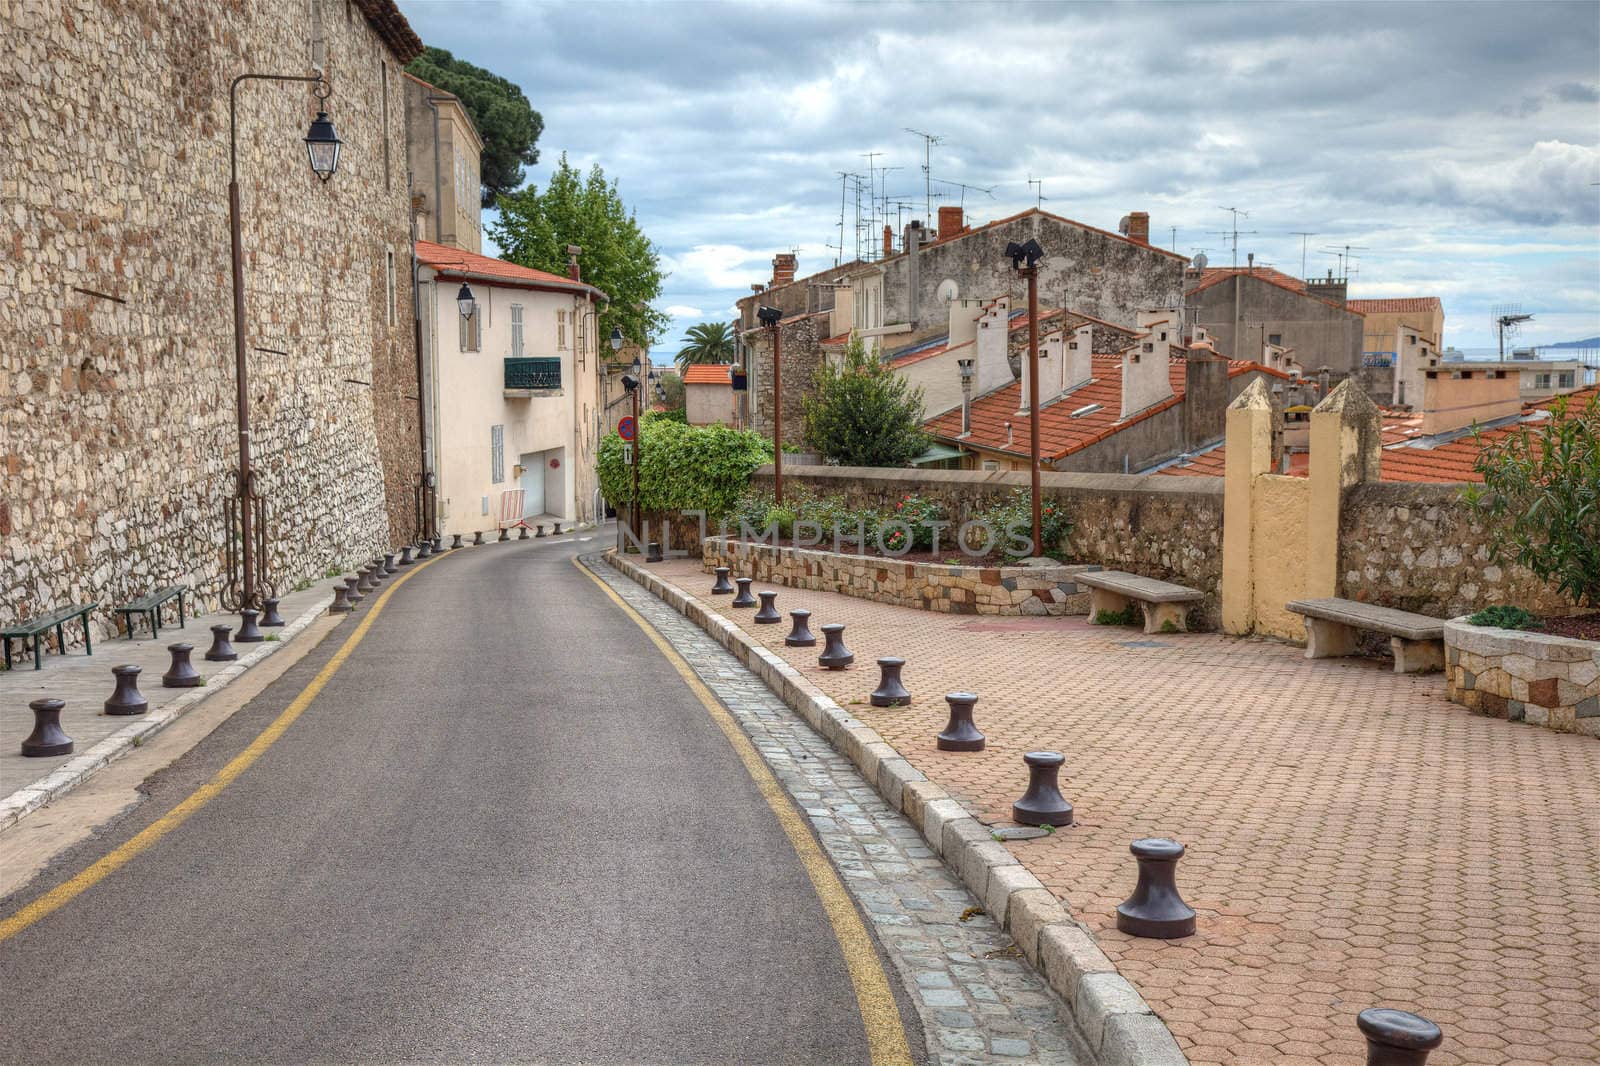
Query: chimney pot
x=951 y=223
x=573 y=272
x=783 y=268
x=888 y=241
x=1139 y=226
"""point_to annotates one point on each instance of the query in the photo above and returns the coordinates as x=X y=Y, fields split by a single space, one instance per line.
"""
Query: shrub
x=919 y=514
x=683 y=467
x=1128 y=616
x=863 y=414
x=1012 y=523
x=1541 y=495
x=1504 y=617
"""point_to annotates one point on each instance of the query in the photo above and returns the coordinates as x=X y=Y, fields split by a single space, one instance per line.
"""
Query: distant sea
x=1586 y=355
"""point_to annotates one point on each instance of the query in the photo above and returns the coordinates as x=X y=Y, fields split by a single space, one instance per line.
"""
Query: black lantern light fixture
x=466 y=303
x=323 y=144
x=616 y=339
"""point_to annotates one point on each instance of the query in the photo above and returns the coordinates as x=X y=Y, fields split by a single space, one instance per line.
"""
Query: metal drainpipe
x=424 y=437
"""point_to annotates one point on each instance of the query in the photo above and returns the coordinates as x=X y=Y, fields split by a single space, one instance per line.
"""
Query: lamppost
x=632 y=383
x=246 y=512
x=1025 y=261
x=770 y=317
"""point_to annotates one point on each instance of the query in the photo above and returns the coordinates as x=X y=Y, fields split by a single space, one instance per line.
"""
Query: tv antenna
x=1303 y=235
x=844 y=180
x=1508 y=319
x=1234 y=233
x=986 y=190
x=1343 y=252
x=928 y=141
x=1038 y=185
x=872 y=192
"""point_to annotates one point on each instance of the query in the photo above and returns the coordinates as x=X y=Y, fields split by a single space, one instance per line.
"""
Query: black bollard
x=538 y=530
x=505 y=534
x=558 y=530
x=835 y=656
x=127 y=699
x=424 y=549
x=352 y=594
x=477 y=538
x=405 y=555
x=47 y=738
x=1397 y=1037
x=388 y=564
x=522 y=532
x=341 y=601
x=438 y=545
x=221 y=651
x=377 y=569
x=270 y=617
x=722 y=586
x=456 y=541
x=1155 y=909
x=768 y=615
x=366 y=582
x=744 y=599
x=891 y=692
x=652 y=552
x=800 y=635
x=959 y=733
x=181 y=674
x=1042 y=804
x=249 y=632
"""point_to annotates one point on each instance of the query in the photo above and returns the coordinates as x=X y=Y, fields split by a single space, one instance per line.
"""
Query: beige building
x=1388 y=324
x=444 y=153
x=708 y=396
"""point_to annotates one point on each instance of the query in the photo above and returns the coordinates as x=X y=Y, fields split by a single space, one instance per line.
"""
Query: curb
x=1116 y=1022
x=75 y=771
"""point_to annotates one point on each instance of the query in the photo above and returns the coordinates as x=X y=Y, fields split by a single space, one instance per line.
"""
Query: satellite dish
x=947 y=291
x=1122 y=227
x=1200 y=260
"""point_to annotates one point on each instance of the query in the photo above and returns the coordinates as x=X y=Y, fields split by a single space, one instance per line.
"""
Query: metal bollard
x=405 y=555
x=538 y=530
x=1155 y=909
x=352 y=594
x=438 y=545
x=47 y=737
x=388 y=564
x=768 y=614
x=835 y=656
x=800 y=634
x=341 y=601
x=557 y=533
x=455 y=541
x=1397 y=1037
x=127 y=699
x=181 y=673
x=522 y=532
x=959 y=733
x=423 y=550
x=363 y=581
x=652 y=552
x=377 y=569
x=221 y=651
x=505 y=535
x=249 y=632
x=477 y=538
x=891 y=692
x=722 y=586
x=269 y=612
x=1043 y=803
x=744 y=599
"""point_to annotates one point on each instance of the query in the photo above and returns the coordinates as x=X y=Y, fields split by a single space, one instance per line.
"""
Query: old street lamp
x=1025 y=261
x=465 y=302
x=616 y=339
x=1024 y=255
x=638 y=369
x=322 y=145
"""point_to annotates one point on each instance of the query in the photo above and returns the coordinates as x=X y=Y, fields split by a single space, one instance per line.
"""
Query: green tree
x=508 y=124
x=534 y=229
x=861 y=413
x=709 y=342
x=672 y=385
x=1541 y=494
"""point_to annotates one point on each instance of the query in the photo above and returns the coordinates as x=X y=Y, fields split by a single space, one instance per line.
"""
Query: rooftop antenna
x=844 y=178
x=1508 y=319
x=1343 y=252
x=1040 y=198
x=928 y=141
x=872 y=193
x=1303 y=235
x=987 y=190
x=1235 y=232
x=1174 y=238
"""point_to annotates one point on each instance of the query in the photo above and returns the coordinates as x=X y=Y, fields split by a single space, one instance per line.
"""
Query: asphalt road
x=505 y=831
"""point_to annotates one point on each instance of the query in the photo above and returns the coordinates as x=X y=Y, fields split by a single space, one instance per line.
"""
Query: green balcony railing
x=540 y=373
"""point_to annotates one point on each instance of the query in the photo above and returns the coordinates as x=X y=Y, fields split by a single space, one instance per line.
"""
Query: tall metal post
x=1033 y=399
x=638 y=440
x=777 y=412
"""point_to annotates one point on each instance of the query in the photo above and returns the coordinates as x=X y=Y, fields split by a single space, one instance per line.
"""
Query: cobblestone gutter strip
x=23 y=802
x=1116 y=1022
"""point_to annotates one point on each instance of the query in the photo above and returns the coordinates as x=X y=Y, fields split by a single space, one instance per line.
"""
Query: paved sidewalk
x=1354 y=838
x=85 y=682
x=978 y=1003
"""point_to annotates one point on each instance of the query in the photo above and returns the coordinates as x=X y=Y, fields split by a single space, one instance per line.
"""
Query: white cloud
x=681 y=311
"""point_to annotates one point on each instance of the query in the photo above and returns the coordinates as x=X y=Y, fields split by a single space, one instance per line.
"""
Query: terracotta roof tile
x=454 y=261
x=1424 y=304
x=707 y=374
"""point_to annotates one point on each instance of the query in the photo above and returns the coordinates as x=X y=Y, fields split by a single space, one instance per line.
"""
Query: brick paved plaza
x=1354 y=839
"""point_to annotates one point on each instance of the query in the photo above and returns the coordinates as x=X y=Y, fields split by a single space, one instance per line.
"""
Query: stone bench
x=1163 y=602
x=1332 y=624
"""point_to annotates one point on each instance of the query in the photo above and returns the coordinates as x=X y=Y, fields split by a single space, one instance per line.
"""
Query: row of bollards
x=1155 y=909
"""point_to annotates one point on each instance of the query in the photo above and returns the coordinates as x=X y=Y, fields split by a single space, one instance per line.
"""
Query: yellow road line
x=886 y=1037
x=108 y=864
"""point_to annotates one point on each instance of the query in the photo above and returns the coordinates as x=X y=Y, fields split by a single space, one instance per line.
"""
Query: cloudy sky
x=1457 y=146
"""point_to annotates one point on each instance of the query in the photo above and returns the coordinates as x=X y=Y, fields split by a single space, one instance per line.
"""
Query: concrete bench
x=1162 y=601
x=1332 y=624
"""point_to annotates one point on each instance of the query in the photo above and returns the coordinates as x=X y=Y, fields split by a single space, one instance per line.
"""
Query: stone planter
x=1524 y=677
x=997 y=590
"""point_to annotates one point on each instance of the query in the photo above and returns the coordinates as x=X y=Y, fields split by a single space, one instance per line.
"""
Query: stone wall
x=1524 y=677
x=802 y=358
x=1001 y=590
x=117 y=406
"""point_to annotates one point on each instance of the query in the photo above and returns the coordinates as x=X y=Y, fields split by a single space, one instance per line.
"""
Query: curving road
x=505 y=830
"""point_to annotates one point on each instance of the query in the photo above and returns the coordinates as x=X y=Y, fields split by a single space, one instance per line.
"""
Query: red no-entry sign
x=625 y=427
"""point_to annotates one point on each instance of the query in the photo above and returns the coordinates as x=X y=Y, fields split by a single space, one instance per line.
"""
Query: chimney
x=913 y=243
x=573 y=251
x=1250 y=262
x=1146 y=372
x=888 y=241
x=1205 y=396
x=993 y=337
x=783 y=268
x=1077 y=366
x=950 y=223
x=1139 y=226
x=1050 y=352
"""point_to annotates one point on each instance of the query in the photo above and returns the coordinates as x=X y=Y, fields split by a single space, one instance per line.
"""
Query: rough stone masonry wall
x=999 y=590
x=802 y=358
x=1525 y=677
x=117 y=435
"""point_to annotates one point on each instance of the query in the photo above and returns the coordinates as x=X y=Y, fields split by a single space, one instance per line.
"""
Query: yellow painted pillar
x=1248 y=439
x=1346 y=445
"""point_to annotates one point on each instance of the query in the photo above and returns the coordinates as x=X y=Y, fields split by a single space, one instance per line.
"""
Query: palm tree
x=709 y=342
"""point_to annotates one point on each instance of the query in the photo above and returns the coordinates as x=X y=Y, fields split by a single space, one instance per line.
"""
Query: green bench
x=33 y=627
x=150 y=607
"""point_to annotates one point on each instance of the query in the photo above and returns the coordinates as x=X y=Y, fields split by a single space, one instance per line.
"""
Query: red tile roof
x=1059 y=433
x=1403 y=305
x=392 y=28
x=454 y=262
x=842 y=338
x=1216 y=275
x=707 y=374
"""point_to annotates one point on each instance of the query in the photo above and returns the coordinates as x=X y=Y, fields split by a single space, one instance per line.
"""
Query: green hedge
x=683 y=467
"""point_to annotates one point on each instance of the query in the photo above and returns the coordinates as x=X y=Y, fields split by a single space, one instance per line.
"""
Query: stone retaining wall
x=1524 y=677
x=1000 y=590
